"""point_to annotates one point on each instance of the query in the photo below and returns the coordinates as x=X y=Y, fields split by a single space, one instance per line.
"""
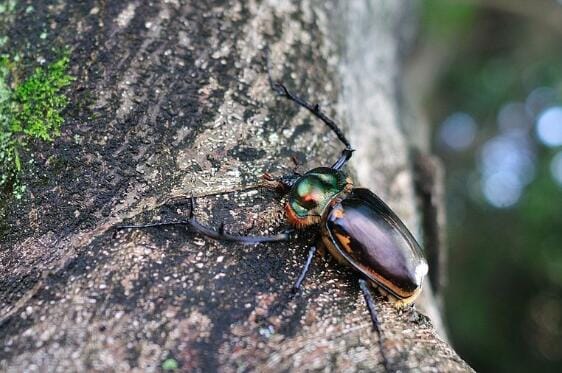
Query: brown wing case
x=369 y=236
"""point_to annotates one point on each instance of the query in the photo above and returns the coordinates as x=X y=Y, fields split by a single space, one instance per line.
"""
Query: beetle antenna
x=374 y=318
x=179 y=198
x=218 y=192
x=282 y=184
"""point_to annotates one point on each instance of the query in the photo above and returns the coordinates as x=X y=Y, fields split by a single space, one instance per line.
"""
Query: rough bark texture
x=172 y=99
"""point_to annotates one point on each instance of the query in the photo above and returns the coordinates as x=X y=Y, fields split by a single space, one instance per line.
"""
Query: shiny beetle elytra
x=355 y=225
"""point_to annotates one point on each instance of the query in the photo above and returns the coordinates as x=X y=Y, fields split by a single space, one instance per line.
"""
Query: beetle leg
x=282 y=90
x=315 y=109
x=305 y=269
x=374 y=318
x=211 y=233
x=342 y=160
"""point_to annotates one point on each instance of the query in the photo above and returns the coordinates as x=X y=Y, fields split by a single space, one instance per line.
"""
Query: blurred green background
x=492 y=89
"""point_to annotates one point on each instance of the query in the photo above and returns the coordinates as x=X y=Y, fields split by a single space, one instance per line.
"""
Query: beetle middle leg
x=374 y=318
x=302 y=276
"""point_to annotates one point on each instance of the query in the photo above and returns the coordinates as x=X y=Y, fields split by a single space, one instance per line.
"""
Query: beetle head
x=312 y=192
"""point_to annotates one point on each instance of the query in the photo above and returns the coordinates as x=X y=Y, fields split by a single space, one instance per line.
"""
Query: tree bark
x=172 y=99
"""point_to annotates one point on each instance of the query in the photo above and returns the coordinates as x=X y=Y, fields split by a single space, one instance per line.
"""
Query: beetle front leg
x=342 y=160
x=315 y=110
x=374 y=318
x=219 y=235
x=282 y=90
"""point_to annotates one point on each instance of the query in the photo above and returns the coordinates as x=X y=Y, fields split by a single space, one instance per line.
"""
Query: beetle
x=354 y=225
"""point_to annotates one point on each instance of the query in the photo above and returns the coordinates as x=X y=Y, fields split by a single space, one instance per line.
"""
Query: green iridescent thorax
x=311 y=193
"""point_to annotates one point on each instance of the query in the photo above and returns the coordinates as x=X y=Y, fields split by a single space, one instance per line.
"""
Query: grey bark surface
x=172 y=99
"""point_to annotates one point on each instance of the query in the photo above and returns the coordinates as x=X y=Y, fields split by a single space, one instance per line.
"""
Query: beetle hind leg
x=374 y=318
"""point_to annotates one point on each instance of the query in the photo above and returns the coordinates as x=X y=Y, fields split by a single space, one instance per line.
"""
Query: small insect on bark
x=355 y=226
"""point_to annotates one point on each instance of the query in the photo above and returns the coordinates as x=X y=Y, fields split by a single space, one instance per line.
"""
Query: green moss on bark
x=30 y=108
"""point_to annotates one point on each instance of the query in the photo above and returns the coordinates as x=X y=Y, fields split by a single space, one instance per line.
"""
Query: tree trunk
x=172 y=99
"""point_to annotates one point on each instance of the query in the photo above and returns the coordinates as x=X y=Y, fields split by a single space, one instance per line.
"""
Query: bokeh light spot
x=507 y=165
x=458 y=131
x=502 y=189
x=539 y=100
x=549 y=126
x=556 y=168
x=509 y=153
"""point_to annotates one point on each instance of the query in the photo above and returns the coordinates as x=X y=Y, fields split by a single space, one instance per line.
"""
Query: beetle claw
x=280 y=88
